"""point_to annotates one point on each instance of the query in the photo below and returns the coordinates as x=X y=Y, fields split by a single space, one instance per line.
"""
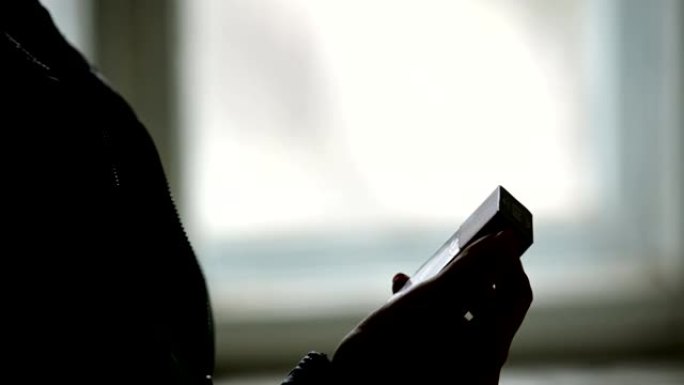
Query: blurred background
x=317 y=147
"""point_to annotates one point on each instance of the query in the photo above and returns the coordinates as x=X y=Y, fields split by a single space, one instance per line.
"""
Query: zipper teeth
x=115 y=176
x=210 y=360
x=210 y=332
x=28 y=56
x=110 y=145
x=107 y=142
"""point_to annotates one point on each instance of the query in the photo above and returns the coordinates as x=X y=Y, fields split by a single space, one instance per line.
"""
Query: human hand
x=427 y=335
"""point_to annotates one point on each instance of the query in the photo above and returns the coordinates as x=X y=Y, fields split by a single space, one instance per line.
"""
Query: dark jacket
x=101 y=284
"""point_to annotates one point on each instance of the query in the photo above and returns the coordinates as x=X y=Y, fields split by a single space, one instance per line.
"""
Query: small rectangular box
x=498 y=212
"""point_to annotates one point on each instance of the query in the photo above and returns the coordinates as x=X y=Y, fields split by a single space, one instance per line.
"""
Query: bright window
x=330 y=144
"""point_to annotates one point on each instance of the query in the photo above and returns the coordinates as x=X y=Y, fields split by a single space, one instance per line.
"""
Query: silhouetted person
x=102 y=285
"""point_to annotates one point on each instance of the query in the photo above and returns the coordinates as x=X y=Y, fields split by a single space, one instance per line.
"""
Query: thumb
x=398 y=281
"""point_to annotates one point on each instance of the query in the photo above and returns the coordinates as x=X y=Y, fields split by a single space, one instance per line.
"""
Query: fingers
x=466 y=281
x=498 y=284
x=513 y=297
x=487 y=280
x=512 y=300
x=492 y=278
x=479 y=262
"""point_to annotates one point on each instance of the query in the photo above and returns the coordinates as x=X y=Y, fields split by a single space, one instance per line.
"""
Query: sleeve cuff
x=313 y=368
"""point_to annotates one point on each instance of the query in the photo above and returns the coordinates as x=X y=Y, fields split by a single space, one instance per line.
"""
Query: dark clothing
x=101 y=283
